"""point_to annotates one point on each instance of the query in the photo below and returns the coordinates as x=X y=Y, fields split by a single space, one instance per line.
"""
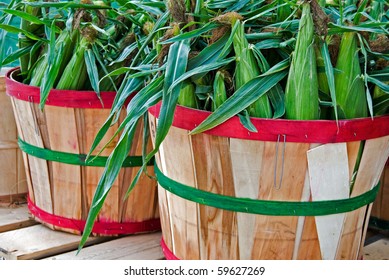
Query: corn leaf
x=175 y=68
x=203 y=69
x=55 y=57
x=140 y=98
x=13 y=29
x=66 y=5
x=192 y=34
x=17 y=54
x=29 y=17
x=384 y=87
x=329 y=70
x=91 y=67
x=136 y=109
x=240 y=100
x=210 y=53
x=244 y=119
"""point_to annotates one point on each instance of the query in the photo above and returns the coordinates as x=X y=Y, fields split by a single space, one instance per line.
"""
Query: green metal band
x=75 y=159
x=265 y=207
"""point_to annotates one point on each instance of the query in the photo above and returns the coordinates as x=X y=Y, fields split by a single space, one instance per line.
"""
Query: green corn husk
x=187 y=95
x=37 y=29
x=247 y=69
x=349 y=86
x=301 y=94
x=321 y=75
x=68 y=40
x=219 y=90
x=75 y=74
x=39 y=71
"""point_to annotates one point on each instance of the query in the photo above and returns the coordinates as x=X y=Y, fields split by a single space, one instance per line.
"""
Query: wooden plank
x=246 y=159
x=329 y=180
x=24 y=159
x=38 y=168
x=61 y=126
x=378 y=250
x=134 y=247
x=307 y=245
x=146 y=188
x=177 y=163
x=93 y=120
x=12 y=182
x=374 y=157
x=218 y=232
x=8 y=169
x=37 y=242
x=14 y=217
x=162 y=193
x=276 y=235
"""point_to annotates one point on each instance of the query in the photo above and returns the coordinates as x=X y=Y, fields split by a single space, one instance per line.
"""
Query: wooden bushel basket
x=61 y=184
x=13 y=184
x=280 y=193
x=379 y=218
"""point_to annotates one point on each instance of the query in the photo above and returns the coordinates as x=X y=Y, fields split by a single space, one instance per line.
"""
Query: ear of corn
x=247 y=69
x=219 y=90
x=349 y=86
x=321 y=75
x=187 y=96
x=301 y=94
x=75 y=73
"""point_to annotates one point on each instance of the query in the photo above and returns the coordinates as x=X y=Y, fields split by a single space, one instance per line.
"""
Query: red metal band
x=106 y=228
x=166 y=251
x=315 y=131
x=59 y=98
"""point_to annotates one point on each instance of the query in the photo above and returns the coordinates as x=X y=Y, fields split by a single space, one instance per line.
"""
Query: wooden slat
x=375 y=155
x=276 y=235
x=14 y=217
x=176 y=152
x=146 y=188
x=23 y=159
x=246 y=158
x=162 y=193
x=329 y=180
x=307 y=245
x=61 y=126
x=37 y=242
x=213 y=167
x=381 y=204
x=38 y=169
x=134 y=247
x=12 y=182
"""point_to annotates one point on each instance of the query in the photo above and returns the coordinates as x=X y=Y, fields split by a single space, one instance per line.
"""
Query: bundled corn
x=301 y=93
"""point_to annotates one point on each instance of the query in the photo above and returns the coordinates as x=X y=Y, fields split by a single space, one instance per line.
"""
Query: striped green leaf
x=91 y=67
x=240 y=100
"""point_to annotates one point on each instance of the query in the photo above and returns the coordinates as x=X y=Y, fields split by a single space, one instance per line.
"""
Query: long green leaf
x=136 y=109
x=192 y=34
x=13 y=29
x=240 y=100
x=200 y=70
x=91 y=67
x=145 y=96
x=175 y=67
x=329 y=70
x=29 y=17
x=209 y=53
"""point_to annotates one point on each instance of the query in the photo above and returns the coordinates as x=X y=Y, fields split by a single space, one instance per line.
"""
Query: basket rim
x=282 y=130
x=58 y=98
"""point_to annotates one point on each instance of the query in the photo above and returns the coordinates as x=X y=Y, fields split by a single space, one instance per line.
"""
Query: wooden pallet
x=21 y=238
